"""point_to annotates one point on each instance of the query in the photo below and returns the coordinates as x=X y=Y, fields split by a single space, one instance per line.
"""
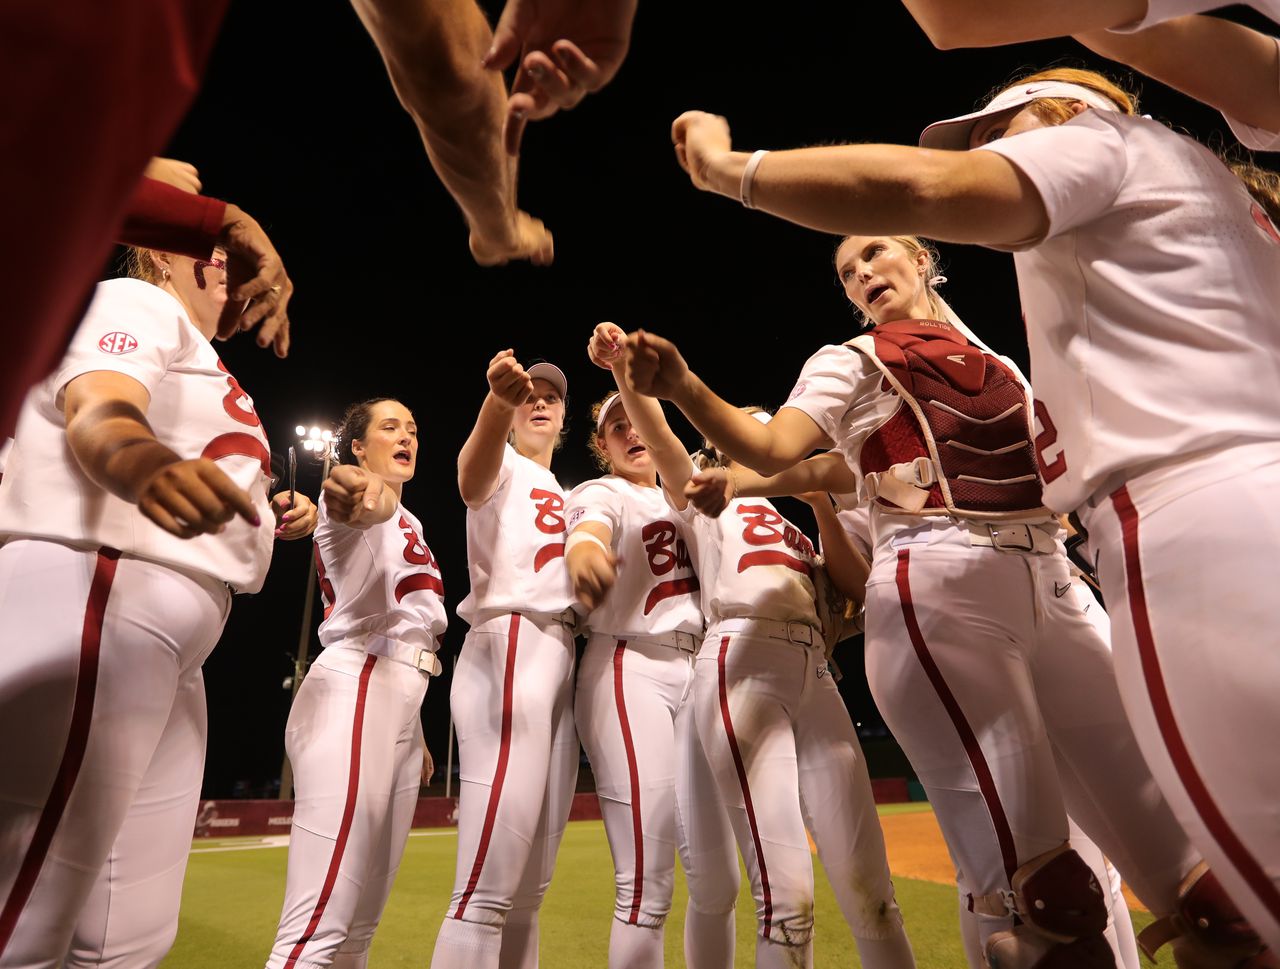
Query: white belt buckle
x=687 y=642
x=800 y=633
x=1017 y=537
x=428 y=662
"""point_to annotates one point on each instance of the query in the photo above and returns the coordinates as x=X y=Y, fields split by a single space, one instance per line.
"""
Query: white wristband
x=748 y=176
x=578 y=537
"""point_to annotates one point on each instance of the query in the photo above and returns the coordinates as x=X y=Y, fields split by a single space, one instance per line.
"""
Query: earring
x=164 y=274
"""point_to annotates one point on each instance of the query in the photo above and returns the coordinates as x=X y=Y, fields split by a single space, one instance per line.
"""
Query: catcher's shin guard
x=1061 y=906
x=1206 y=929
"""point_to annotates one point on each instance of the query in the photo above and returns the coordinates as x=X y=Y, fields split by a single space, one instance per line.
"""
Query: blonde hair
x=712 y=457
x=914 y=246
x=139 y=263
x=598 y=452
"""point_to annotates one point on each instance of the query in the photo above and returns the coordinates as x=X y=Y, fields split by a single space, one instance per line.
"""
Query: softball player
x=1145 y=267
x=629 y=564
x=1004 y=733
x=774 y=727
x=512 y=693
x=134 y=503
x=354 y=735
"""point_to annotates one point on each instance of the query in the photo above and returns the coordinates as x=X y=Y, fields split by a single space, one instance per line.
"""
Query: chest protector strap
x=961 y=441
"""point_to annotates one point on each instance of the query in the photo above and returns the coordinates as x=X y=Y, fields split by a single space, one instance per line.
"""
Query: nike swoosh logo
x=1061 y=591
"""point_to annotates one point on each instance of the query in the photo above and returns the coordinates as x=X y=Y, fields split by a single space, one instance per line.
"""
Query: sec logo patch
x=117 y=342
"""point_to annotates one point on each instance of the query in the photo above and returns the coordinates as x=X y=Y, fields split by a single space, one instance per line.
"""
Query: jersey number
x=1046 y=439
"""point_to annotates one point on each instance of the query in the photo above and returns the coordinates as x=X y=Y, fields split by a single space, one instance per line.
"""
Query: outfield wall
x=225 y=819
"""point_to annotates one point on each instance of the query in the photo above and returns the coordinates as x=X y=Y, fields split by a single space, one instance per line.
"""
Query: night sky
x=299 y=126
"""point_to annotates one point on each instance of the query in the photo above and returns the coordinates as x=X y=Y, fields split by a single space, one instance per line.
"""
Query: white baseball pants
x=1002 y=694
x=634 y=709
x=1187 y=562
x=512 y=703
x=785 y=756
x=354 y=738
x=102 y=707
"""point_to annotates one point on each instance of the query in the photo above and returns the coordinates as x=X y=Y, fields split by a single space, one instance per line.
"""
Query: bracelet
x=578 y=538
x=748 y=176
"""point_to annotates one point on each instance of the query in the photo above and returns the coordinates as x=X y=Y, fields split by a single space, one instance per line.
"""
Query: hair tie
x=937 y=280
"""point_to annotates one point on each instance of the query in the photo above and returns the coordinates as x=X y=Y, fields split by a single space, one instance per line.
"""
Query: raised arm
x=433 y=51
x=1227 y=66
x=358 y=498
x=480 y=461
x=711 y=491
x=845 y=565
x=954 y=196
x=108 y=432
x=990 y=23
x=653 y=366
x=645 y=413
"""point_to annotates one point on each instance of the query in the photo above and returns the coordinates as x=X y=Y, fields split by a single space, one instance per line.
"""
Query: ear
x=1077 y=107
x=162 y=262
x=922 y=262
x=357 y=448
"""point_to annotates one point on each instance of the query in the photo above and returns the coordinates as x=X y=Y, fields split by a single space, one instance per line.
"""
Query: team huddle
x=1063 y=747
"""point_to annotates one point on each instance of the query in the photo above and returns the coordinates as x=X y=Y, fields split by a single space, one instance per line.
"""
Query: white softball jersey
x=1150 y=304
x=752 y=562
x=380 y=581
x=657 y=590
x=197 y=409
x=515 y=545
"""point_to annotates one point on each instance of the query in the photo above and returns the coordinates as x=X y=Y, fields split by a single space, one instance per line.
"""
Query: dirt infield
x=916 y=849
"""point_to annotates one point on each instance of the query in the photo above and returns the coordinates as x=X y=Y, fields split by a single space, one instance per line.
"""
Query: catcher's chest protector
x=960 y=440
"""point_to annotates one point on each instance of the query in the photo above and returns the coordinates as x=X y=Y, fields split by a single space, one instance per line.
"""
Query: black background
x=298 y=124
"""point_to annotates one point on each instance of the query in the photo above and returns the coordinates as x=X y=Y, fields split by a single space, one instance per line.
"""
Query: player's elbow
x=946 y=26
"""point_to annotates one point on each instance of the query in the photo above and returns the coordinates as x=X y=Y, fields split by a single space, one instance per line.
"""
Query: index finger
x=232 y=495
x=518 y=107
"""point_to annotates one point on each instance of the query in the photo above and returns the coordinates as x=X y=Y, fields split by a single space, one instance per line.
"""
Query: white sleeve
x=1077 y=167
x=827 y=387
x=131 y=327
x=594 y=501
x=1158 y=11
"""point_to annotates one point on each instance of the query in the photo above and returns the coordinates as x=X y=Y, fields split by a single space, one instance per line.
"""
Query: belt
x=688 y=642
x=1014 y=537
x=425 y=660
x=800 y=633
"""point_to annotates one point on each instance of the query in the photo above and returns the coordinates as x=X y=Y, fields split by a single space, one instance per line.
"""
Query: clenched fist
x=352 y=495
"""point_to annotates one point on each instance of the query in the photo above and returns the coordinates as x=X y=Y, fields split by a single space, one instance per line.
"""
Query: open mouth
x=402 y=457
x=540 y=420
x=637 y=449
x=875 y=292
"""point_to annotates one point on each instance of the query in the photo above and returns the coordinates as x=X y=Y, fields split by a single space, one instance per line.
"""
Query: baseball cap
x=552 y=374
x=609 y=403
x=953 y=133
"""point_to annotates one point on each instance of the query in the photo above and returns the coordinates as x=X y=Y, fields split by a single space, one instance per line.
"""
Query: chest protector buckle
x=961 y=439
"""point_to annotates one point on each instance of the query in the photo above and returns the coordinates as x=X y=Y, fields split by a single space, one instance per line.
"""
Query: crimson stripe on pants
x=500 y=771
x=633 y=769
x=64 y=781
x=746 y=788
x=348 y=813
x=986 y=783
x=1244 y=862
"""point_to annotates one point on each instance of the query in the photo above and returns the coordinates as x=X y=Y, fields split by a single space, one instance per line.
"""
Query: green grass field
x=232 y=900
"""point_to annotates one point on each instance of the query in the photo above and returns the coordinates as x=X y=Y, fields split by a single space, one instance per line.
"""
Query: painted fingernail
x=255 y=521
x=279 y=531
x=518 y=115
x=537 y=73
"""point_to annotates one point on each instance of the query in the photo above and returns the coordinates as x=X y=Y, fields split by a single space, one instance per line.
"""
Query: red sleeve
x=171 y=220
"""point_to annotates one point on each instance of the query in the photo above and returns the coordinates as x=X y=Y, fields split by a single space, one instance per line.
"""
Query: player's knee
x=1063 y=911
x=794 y=931
x=1207 y=928
x=714 y=898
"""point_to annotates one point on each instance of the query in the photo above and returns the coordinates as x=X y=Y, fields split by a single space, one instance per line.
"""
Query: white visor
x=609 y=403
x=953 y=134
x=552 y=375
